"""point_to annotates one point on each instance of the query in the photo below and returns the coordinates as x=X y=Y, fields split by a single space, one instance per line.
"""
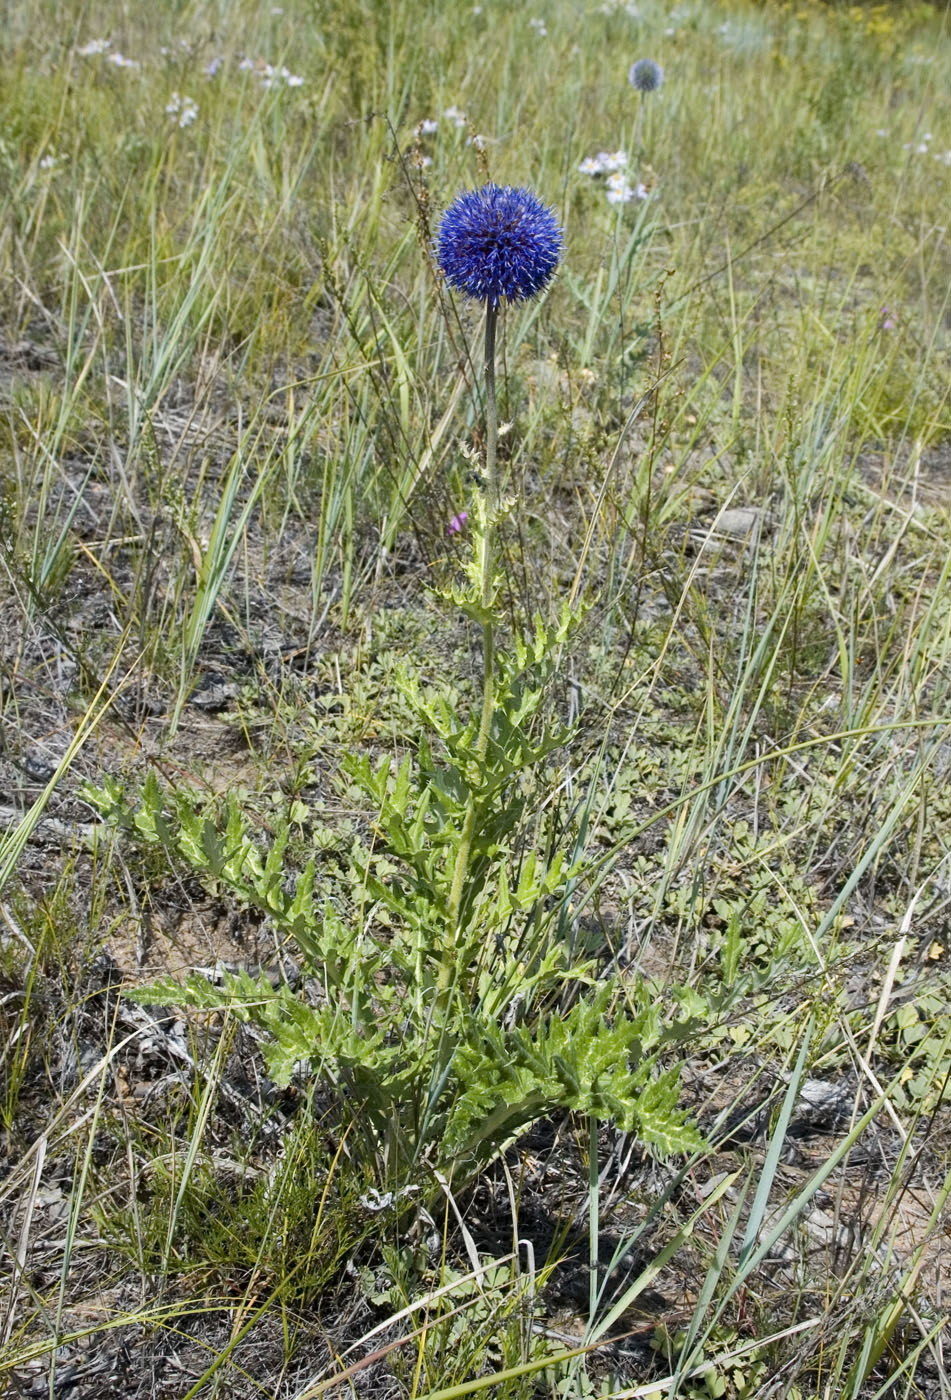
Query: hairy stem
x=487 y=561
x=487 y=582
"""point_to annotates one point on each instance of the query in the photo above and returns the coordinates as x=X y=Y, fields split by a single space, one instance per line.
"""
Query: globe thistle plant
x=498 y=243
x=645 y=75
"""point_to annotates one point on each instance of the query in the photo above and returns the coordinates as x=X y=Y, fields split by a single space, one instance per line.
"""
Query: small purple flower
x=886 y=320
x=645 y=75
x=458 y=523
x=498 y=242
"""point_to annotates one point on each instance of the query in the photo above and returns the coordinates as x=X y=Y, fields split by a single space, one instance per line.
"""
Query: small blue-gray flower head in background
x=645 y=75
x=498 y=242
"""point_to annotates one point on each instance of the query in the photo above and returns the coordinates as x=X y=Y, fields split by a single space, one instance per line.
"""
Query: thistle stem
x=487 y=589
x=487 y=562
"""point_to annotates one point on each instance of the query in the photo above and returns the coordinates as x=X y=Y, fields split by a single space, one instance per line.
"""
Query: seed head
x=498 y=242
x=645 y=75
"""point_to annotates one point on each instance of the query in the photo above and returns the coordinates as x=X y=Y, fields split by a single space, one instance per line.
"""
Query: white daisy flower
x=619 y=189
x=183 y=109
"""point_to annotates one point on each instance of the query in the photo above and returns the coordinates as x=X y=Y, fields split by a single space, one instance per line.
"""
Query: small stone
x=739 y=522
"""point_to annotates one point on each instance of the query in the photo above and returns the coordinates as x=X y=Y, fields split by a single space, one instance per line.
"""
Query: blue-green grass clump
x=498 y=241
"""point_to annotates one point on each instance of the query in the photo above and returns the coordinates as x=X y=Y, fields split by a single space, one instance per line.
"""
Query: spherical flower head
x=498 y=242
x=645 y=75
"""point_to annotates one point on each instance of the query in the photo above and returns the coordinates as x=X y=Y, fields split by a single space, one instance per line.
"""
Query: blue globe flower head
x=498 y=242
x=645 y=75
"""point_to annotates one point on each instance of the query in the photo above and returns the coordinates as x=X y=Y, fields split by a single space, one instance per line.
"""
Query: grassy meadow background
x=238 y=412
